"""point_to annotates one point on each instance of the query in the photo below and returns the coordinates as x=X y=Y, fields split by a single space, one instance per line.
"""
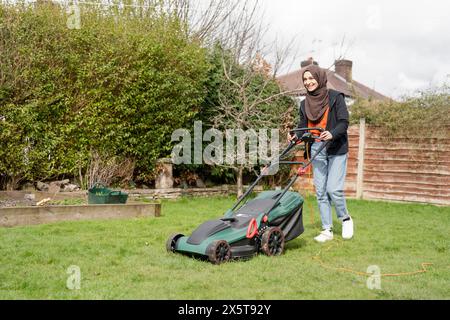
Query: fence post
x=361 y=147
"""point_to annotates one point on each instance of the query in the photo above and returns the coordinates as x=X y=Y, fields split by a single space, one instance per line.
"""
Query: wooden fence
x=400 y=169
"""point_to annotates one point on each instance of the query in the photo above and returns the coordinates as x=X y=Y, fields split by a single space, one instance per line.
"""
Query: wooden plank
x=353 y=130
x=408 y=188
x=350 y=177
x=405 y=197
x=411 y=151
x=428 y=147
x=413 y=140
x=410 y=194
x=407 y=167
x=405 y=177
x=16 y=216
x=385 y=153
x=420 y=159
x=421 y=166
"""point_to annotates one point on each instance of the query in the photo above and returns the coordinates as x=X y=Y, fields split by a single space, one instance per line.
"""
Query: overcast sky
x=397 y=46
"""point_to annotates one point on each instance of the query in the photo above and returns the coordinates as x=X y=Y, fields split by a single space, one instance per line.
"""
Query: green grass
x=126 y=259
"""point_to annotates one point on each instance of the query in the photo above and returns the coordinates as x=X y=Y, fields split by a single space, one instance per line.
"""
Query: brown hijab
x=316 y=102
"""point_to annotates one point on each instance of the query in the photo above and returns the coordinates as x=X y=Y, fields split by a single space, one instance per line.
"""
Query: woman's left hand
x=326 y=135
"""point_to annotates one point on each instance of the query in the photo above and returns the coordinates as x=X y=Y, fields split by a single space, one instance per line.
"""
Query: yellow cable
x=341 y=269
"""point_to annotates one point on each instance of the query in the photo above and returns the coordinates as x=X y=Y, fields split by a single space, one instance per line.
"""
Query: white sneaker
x=325 y=235
x=347 y=228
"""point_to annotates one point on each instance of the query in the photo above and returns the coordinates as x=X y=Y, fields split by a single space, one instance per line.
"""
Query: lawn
x=127 y=259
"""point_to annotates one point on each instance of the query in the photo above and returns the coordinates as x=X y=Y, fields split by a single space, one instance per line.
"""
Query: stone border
x=174 y=193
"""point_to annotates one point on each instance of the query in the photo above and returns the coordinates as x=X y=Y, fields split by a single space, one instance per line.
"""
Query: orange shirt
x=322 y=123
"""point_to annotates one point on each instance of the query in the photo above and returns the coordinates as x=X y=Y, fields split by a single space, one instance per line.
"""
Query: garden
x=99 y=100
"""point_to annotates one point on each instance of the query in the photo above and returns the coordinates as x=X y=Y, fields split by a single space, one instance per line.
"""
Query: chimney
x=344 y=69
x=307 y=62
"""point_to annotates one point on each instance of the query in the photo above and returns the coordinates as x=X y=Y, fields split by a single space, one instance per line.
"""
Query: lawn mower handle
x=294 y=178
x=291 y=162
x=291 y=145
x=309 y=138
x=305 y=129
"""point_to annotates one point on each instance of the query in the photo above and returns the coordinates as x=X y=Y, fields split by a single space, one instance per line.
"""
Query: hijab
x=316 y=102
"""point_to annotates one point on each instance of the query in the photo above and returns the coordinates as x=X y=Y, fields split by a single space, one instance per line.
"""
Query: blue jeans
x=329 y=178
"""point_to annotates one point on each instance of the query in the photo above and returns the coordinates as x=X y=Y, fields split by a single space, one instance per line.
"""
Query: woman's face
x=309 y=82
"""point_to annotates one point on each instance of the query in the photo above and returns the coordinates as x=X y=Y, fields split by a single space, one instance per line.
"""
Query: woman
x=326 y=108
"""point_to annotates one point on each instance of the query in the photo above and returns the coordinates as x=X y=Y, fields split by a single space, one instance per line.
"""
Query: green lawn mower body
x=262 y=224
x=240 y=233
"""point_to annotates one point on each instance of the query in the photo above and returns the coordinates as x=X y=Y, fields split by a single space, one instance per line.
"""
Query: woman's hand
x=326 y=135
x=291 y=137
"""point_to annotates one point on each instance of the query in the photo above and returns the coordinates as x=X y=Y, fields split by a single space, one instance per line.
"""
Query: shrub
x=118 y=86
x=426 y=114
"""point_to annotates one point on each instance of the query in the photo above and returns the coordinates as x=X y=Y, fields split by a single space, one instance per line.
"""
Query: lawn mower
x=262 y=224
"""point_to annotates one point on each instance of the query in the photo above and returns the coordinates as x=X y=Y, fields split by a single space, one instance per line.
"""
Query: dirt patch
x=26 y=199
x=16 y=203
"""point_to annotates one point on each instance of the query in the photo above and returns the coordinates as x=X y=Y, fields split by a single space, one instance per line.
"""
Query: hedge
x=118 y=87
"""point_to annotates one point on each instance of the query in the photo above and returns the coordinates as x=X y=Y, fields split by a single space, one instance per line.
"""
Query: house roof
x=292 y=82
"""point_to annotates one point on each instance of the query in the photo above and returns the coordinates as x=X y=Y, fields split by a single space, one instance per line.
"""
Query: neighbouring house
x=340 y=79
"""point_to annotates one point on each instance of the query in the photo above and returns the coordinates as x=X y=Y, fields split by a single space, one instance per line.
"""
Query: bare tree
x=249 y=95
